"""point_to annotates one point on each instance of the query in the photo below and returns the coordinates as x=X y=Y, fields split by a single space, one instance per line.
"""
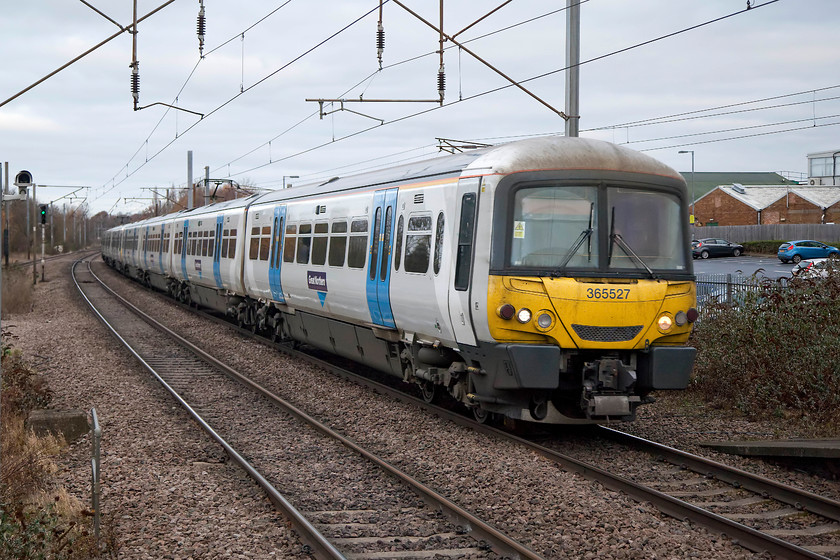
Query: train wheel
x=482 y=416
x=430 y=391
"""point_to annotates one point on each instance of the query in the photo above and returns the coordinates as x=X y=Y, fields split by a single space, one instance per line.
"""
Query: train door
x=461 y=272
x=185 y=242
x=217 y=251
x=143 y=251
x=160 y=244
x=379 y=264
x=275 y=257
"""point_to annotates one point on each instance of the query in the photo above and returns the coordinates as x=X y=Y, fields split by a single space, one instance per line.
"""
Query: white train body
x=410 y=270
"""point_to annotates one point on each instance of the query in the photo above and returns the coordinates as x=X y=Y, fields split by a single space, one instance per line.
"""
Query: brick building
x=739 y=205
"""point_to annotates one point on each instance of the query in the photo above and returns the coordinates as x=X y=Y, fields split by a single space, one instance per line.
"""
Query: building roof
x=827 y=153
x=707 y=181
x=760 y=197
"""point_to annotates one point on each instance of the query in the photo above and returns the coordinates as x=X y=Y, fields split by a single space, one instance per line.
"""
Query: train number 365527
x=608 y=293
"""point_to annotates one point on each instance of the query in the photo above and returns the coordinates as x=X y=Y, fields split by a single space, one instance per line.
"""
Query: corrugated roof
x=707 y=181
x=760 y=197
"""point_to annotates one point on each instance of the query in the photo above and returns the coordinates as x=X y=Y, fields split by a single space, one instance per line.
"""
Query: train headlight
x=523 y=315
x=681 y=318
x=665 y=323
x=544 y=320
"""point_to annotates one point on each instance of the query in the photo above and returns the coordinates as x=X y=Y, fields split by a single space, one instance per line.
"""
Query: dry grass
x=17 y=290
x=37 y=518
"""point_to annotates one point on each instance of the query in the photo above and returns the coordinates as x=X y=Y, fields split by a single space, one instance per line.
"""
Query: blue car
x=795 y=251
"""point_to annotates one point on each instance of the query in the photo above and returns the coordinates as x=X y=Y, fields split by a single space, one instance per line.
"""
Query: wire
x=184 y=85
x=740 y=137
x=809 y=119
x=369 y=78
x=244 y=91
x=429 y=110
x=501 y=88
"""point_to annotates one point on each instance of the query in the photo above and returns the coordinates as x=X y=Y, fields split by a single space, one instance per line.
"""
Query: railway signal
x=43 y=213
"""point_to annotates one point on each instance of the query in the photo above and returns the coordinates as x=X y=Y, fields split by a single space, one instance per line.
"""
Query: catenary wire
x=474 y=96
x=245 y=90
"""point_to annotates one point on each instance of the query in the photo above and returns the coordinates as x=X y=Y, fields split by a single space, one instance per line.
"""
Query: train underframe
x=534 y=383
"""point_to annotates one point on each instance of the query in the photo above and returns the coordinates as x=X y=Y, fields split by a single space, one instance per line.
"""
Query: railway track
x=741 y=506
x=344 y=501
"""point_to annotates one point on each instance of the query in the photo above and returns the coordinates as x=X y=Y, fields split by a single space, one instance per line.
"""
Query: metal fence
x=770 y=232
x=731 y=288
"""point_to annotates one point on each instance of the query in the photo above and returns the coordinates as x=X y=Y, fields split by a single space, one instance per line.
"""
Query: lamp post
x=289 y=177
x=692 y=181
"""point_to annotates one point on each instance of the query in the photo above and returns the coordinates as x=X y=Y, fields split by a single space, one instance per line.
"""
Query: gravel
x=167 y=493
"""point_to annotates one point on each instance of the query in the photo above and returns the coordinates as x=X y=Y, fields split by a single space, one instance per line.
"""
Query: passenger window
x=386 y=243
x=304 y=243
x=438 y=243
x=357 y=250
x=319 y=244
x=289 y=243
x=465 y=242
x=398 y=248
x=278 y=241
x=338 y=243
x=265 y=243
x=254 y=249
x=374 y=243
x=232 y=244
x=418 y=242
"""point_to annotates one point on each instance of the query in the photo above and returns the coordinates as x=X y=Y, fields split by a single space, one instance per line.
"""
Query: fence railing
x=96 y=439
x=770 y=232
x=730 y=288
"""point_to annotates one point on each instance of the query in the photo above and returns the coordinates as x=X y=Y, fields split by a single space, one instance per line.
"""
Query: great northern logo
x=317 y=281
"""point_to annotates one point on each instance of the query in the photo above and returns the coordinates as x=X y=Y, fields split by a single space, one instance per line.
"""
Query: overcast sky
x=756 y=91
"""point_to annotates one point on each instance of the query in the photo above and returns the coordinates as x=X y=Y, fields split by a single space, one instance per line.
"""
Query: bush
x=37 y=521
x=776 y=353
x=771 y=247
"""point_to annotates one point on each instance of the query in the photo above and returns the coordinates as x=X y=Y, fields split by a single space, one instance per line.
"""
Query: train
x=546 y=280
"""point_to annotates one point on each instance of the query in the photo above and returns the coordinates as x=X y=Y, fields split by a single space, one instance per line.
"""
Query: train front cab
x=590 y=293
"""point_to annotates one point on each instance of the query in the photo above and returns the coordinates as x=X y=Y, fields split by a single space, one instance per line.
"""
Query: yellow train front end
x=618 y=339
x=590 y=295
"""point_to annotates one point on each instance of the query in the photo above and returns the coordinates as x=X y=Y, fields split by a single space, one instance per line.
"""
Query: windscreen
x=567 y=227
x=553 y=225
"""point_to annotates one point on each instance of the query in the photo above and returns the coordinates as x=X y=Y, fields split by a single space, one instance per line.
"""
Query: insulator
x=201 y=27
x=135 y=83
x=441 y=81
x=380 y=42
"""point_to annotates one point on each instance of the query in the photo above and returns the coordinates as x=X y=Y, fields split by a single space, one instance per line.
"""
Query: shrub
x=771 y=247
x=37 y=521
x=775 y=353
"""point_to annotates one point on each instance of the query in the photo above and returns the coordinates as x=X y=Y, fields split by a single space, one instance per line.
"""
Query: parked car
x=814 y=268
x=795 y=251
x=712 y=247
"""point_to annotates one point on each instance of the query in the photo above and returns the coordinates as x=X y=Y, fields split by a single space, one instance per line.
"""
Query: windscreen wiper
x=619 y=240
x=584 y=236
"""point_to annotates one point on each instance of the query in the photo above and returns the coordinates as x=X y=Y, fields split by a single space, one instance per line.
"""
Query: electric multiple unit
x=547 y=280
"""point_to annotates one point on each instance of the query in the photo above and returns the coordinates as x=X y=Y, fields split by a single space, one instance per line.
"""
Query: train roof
x=543 y=153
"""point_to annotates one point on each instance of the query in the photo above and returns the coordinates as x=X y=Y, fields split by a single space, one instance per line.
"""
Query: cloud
x=22 y=120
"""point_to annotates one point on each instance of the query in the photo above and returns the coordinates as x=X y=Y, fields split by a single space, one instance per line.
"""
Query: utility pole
x=189 y=181
x=572 y=68
x=6 y=245
x=206 y=185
